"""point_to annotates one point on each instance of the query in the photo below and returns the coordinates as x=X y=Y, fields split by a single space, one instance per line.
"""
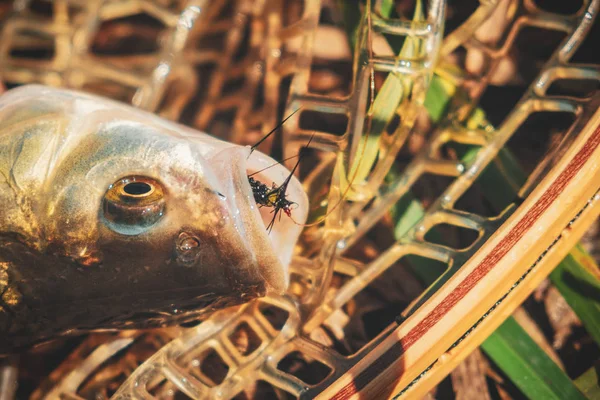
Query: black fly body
x=260 y=191
x=266 y=196
x=275 y=196
x=271 y=197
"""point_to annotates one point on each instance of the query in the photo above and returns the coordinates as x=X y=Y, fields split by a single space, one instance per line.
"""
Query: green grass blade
x=390 y=95
x=527 y=366
x=351 y=12
x=410 y=211
x=386 y=8
x=438 y=98
x=589 y=382
x=580 y=288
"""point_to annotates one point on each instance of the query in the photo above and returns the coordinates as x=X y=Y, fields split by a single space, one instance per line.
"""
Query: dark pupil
x=137 y=188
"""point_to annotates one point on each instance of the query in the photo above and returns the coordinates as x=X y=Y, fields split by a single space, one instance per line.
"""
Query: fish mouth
x=271 y=242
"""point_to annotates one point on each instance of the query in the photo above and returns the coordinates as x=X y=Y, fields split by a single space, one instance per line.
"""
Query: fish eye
x=133 y=204
x=134 y=189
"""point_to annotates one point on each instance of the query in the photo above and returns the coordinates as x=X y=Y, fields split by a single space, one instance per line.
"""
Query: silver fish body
x=111 y=217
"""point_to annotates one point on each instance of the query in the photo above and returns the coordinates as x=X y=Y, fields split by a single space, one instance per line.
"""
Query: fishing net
x=236 y=67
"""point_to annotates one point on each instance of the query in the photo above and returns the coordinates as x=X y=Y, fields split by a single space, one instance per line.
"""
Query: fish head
x=151 y=209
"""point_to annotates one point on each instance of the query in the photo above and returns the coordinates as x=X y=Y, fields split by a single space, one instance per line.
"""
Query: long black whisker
x=279 y=125
x=285 y=183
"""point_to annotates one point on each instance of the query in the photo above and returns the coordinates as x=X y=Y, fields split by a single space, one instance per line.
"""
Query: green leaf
x=409 y=211
x=527 y=366
x=438 y=98
x=580 y=288
x=589 y=383
x=388 y=99
x=386 y=8
x=351 y=12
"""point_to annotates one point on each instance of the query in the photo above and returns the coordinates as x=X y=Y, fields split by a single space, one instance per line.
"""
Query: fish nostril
x=188 y=249
x=188 y=244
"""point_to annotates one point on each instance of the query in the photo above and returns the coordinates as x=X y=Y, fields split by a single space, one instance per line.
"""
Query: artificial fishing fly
x=274 y=196
x=266 y=196
x=278 y=193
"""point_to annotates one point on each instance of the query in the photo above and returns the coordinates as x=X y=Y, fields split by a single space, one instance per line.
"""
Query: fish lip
x=230 y=166
x=285 y=232
x=271 y=250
